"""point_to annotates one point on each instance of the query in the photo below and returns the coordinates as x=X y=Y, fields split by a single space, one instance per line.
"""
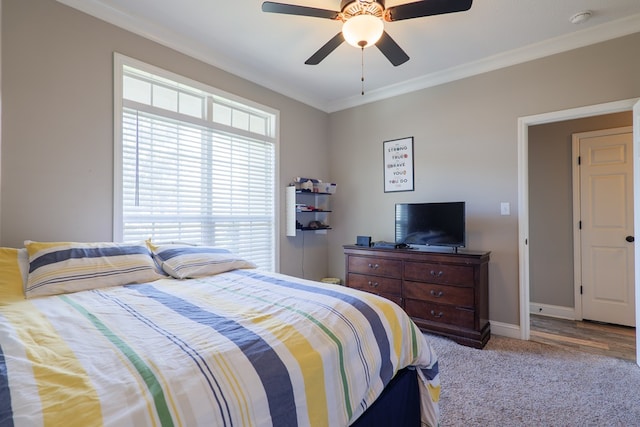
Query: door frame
x=523 y=193
x=577 y=244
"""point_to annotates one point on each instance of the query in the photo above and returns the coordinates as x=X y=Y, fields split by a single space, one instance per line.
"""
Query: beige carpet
x=522 y=383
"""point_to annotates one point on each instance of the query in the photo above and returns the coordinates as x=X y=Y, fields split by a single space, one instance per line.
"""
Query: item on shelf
x=324 y=187
x=316 y=225
x=313 y=185
x=363 y=241
x=383 y=244
x=304 y=184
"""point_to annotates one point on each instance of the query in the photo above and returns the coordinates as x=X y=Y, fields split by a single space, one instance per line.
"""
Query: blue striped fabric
x=65 y=254
x=172 y=251
x=386 y=371
x=187 y=262
x=63 y=267
x=5 y=396
x=205 y=368
x=270 y=368
x=237 y=348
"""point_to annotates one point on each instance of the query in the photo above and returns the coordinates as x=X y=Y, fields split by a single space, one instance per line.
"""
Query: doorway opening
x=587 y=336
x=524 y=124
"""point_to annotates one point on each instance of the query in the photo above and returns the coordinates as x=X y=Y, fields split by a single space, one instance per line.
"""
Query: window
x=193 y=164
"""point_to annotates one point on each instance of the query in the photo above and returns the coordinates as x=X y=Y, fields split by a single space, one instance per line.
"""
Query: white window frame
x=119 y=62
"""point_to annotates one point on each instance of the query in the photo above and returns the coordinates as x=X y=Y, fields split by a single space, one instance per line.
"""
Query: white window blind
x=196 y=167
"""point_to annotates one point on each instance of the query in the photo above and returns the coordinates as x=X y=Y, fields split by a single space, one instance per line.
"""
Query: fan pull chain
x=362 y=67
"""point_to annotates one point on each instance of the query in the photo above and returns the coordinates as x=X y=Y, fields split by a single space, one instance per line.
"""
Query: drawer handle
x=374 y=266
x=433 y=313
x=373 y=284
x=436 y=294
x=438 y=274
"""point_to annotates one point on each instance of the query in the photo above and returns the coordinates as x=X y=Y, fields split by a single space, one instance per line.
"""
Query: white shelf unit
x=320 y=204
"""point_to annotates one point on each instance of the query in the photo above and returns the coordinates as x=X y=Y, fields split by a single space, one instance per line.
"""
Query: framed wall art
x=398 y=165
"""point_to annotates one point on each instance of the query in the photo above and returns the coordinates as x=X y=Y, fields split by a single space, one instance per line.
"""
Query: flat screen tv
x=431 y=224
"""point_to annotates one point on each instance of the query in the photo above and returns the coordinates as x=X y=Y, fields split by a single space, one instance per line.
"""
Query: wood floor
x=593 y=337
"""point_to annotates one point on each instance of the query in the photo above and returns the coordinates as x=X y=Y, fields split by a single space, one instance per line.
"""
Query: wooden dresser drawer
x=375 y=284
x=439 y=273
x=440 y=313
x=375 y=266
x=441 y=294
x=444 y=292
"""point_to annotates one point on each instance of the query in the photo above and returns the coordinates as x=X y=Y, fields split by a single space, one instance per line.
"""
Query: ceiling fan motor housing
x=351 y=8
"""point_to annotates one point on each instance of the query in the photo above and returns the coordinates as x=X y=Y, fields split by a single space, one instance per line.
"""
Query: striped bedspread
x=242 y=348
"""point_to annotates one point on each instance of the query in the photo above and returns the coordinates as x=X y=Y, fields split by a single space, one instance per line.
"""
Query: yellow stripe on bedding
x=66 y=393
x=299 y=347
x=391 y=317
x=239 y=397
x=308 y=359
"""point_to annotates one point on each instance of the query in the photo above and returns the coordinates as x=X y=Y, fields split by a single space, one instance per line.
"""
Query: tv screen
x=432 y=224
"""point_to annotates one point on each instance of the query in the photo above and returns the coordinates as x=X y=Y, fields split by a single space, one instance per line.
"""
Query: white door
x=607 y=233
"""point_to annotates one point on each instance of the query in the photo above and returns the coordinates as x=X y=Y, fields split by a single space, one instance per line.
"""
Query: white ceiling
x=270 y=49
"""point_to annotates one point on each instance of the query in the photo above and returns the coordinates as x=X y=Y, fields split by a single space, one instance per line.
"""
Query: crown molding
x=161 y=35
x=575 y=40
x=177 y=42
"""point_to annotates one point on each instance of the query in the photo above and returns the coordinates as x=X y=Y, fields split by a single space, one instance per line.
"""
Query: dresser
x=444 y=292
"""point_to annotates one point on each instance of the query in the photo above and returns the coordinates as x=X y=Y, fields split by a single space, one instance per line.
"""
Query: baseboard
x=514 y=331
x=552 y=310
x=505 y=330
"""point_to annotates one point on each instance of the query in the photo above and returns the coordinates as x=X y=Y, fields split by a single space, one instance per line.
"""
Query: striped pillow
x=185 y=262
x=63 y=267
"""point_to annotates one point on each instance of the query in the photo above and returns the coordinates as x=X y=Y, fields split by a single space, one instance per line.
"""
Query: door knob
x=629 y=239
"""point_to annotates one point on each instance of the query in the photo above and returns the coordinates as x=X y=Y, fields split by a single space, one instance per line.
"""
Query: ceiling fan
x=363 y=22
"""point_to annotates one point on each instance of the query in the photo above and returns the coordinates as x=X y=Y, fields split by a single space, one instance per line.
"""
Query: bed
x=101 y=334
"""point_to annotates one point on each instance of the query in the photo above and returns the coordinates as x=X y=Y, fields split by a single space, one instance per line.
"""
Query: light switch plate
x=505 y=208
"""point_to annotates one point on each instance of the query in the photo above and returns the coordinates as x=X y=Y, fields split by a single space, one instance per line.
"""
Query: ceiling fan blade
x=391 y=50
x=291 y=9
x=419 y=9
x=325 y=50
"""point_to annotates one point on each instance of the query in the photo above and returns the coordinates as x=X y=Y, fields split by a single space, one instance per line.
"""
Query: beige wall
x=57 y=133
x=551 y=205
x=57 y=138
x=466 y=149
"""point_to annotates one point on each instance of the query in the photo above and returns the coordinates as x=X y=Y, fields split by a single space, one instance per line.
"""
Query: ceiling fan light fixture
x=362 y=30
x=363 y=22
